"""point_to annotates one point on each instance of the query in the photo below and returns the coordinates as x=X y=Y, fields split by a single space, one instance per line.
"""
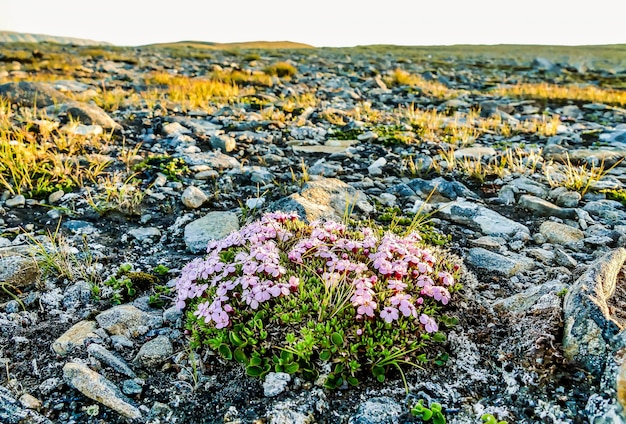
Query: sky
x=323 y=23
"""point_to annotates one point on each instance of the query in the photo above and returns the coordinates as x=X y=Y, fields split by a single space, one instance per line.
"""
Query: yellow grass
x=547 y=91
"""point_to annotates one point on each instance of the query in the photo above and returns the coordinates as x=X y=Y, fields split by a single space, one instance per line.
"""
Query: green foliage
x=173 y=168
x=433 y=412
x=490 y=419
x=126 y=284
x=619 y=195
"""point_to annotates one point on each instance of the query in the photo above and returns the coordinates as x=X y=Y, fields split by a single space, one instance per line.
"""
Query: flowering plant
x=285 y=295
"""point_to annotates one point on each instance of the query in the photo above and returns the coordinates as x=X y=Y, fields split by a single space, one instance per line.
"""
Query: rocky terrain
x=140 y=156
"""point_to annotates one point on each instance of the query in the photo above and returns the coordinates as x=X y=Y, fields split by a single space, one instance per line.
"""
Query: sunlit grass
x=434 y=89
x=587 y=93
x=193 y=93
x=575 y=177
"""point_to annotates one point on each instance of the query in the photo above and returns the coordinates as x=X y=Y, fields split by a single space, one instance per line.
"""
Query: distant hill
x=228 y=46
x=20 y=37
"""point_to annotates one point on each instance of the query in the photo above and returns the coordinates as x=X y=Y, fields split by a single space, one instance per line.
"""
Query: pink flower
x=446 y=278
x=396 y=285
x=367 y=308
x=389 y=314
x=429 y=324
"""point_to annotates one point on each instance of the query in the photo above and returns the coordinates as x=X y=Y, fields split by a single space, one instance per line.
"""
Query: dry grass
x=434 y=89
x=587 y=93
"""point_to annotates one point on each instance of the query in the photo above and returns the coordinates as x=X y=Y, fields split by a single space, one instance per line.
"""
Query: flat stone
x=126 y=320
x=544 y=208
x=482 y=219
x=215 y=160
x=589 y=324
x=329 y=147
x=154 y=352
x=536 y=297
x=17 y=201
x=143 y=234
x=29 y=401
x=86 y=113
x=486 y=260
x=560 y=233
x=325 y=198
x=118 y=364
x=74 y=337
x=29 y=94
x=213 y=226
x=527 y=185
x=476 y=152
x=98 y=388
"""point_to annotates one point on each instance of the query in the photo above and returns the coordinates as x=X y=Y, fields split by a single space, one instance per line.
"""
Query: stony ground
x=539 y=338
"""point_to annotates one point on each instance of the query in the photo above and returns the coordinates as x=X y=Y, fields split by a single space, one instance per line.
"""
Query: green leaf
x=353 y=381
x=254 y=371
x=439 y=337
x=325 y=355
x=286 y=356
x=235 y=339
x=255 y=361
x=337 y=339
x=438 y=418
x=225 y=351
x=240 y=356
x=427 y=414
x=291 y=368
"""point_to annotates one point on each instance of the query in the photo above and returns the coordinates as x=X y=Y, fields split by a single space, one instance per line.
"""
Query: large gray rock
x=127 y=320
x=98 y=388
x=29 y=94
x=215 y=160
x=86 y=113
x=154 y=352
x=275 y=383
x=492 y=262
x=542 y=207
x=193 y=197
x=213 y=226
x=325 y=198
x=589 y=323
x=482 y=219
x=560 y=233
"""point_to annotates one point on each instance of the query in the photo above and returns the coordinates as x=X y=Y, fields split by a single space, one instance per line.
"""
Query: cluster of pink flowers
x=389 y=277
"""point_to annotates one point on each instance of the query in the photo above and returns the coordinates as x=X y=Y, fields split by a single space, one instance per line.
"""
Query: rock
x=213 y=226
x=143 y=234
x=482 y=219
x=118 y=364
x=86 y=113
x=172 y=129
x=98 y=388
x=275 y=383
x=17 y=201
x=223 y=142
x=326 y=168
x=84 y=130
x=486 y=260
x=74 y=337
x=127 y=320
x=544 y=208
x=569 y=199
x=560 y=233
x=544 y=64
x=55 y=196
x=324 y=198
x=589 y=324
x=378 y=410
x=536 y=297
x=329 y=147
x=563 y=259
x=525 y=184
x=132 y=387
x=476 y=152
x=29 y=94
x=610 y=211
x=29 y=401
x=193 y=197
x=440 y=186
x=489 y=243
x=375 y=167
x=215 y=160
x=18 y=270
x=12 y=412
x=154 y=352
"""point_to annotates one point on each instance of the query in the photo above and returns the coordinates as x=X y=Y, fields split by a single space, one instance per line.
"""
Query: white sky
x=323 y=22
